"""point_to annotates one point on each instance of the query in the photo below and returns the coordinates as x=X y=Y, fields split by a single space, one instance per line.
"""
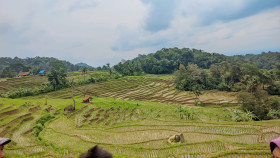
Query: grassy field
x=132 y=117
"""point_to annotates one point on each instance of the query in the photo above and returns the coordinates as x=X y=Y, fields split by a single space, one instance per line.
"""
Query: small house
x=23 y=74
x=42 y=72
x=87 y=99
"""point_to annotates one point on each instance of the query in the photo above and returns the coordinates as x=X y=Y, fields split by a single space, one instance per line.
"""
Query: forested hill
x=9 y=67
x=42 y=62
x=167 y=60
x=262 y=61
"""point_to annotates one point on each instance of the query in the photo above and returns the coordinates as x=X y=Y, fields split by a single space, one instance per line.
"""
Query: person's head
x=3 y=141
x=275 y=148
x=96 y=152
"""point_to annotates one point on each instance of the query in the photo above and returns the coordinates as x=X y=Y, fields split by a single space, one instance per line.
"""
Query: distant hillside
x=167 y=60
x=42 y=62
x=84 y=65
x=262 y=61
x=9 y=67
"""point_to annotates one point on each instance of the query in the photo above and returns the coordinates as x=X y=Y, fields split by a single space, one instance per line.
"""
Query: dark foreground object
x=275 y=147
x=96 y=152
x=3 y=141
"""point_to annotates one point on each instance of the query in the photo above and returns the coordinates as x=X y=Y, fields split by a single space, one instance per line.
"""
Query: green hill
x=44 y=63
x=167 y=60
x=10 y=67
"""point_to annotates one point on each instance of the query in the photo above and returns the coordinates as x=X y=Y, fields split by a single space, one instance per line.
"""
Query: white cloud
x=257 y=32
x=102 y=31
x=81 y=34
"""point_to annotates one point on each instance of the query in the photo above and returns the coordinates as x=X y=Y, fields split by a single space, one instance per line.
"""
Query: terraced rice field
x=132 y=117
x=21 y=82
x=9 y=84
x=129 y=129
x=147 y=88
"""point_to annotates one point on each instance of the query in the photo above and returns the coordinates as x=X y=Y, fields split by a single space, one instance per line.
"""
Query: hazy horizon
x=123 y=58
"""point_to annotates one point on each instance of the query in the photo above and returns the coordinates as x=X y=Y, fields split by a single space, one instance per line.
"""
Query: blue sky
x=105 y=31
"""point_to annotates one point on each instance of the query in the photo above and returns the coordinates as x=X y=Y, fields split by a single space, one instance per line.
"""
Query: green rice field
x=132 y=117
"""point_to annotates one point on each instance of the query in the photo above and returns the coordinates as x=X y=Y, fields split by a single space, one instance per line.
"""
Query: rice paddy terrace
x=146 y=88
x=10 y=84
x=132 y=117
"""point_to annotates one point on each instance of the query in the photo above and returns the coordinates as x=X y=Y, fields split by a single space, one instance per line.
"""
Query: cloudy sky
x=105 y=31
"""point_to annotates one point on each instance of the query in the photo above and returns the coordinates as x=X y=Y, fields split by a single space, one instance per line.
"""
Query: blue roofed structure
x=42 y=71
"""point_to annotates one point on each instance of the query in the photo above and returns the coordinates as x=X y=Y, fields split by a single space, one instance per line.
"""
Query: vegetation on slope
x=9 y=67
x=167 y=60
x=251 y=81
x=227 y=77
x=57 y=79
x=265 y=60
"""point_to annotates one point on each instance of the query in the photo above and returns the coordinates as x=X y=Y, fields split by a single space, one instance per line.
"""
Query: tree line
x=227 y=77
x=167 y=60
x=10 y=67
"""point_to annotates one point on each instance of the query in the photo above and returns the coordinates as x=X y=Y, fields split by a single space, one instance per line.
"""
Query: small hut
x=87 y=99
x=23 y=74
x=42 y=73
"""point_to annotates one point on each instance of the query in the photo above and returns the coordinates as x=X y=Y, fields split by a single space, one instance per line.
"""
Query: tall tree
x=72 y=85
x=109 y=68
x=252 y=84
x=84 y=71
x=57 y=78
x=7 y=72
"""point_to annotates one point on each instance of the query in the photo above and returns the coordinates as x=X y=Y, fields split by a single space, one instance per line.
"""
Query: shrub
x=21 y=92
x=258 y=103
x=224 y=86
x=240 y=116
x=102 y=78
x=40 y=124
x=273 y=114
x=117 y=75
x=37 y=129
x=187 y=112
x=274 y=103
x=91 y=80
x=196 y=102
x=274 y=89
x=45 y=118
x=238 y=87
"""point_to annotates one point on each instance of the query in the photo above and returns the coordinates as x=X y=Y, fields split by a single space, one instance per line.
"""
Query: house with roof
x=23 y=74
x=87 y=99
